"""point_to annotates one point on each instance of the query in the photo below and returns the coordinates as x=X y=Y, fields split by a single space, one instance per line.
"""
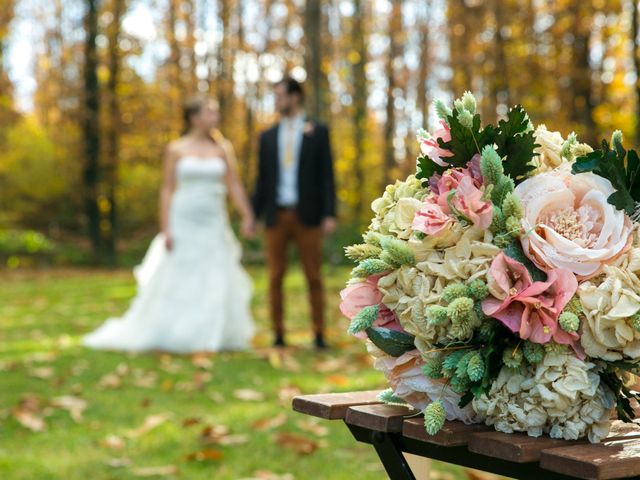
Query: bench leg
x=389 y=451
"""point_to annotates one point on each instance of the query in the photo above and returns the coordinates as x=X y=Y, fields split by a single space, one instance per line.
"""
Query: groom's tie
x=288 y=148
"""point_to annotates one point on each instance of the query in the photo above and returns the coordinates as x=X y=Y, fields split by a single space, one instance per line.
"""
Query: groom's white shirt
x=289 y=130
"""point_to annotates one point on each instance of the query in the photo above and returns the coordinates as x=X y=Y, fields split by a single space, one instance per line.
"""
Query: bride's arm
x=166 y=192
x=240 y=200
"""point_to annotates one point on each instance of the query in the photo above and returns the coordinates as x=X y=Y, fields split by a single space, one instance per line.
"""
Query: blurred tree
x=395 y=27
x=90 y=124
x=112 y=132
x=315 y=58
x=358 y=57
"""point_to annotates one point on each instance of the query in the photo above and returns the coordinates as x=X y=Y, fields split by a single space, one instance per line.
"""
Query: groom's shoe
x=279 y=342
x=319 y=342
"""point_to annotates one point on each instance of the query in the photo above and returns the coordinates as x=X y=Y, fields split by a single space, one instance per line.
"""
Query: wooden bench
x=395 y=430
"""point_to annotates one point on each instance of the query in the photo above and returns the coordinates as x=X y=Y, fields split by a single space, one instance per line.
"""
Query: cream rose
x=568 y=222
x=549 y=151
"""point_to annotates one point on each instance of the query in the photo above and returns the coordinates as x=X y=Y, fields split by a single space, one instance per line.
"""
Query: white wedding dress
x=197 y=296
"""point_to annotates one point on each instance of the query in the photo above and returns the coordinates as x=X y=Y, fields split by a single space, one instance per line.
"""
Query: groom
x=295 y=195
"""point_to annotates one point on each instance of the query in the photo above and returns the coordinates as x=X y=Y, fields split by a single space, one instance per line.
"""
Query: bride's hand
x=168 y=242
x=248 y=227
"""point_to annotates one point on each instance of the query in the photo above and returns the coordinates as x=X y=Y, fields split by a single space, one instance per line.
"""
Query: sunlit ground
x=67 y=412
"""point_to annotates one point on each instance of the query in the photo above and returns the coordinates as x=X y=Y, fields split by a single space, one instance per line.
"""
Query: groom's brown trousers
x=308 y=240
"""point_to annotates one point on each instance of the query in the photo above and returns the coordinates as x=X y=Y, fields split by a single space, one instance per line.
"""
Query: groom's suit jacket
x=316 y=189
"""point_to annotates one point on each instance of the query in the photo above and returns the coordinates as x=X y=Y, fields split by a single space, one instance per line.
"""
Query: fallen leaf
x=206 y=454
x=238 y=439
x=339 y=380
x=122 y=369
x=74 y=405
x=43 y=373
x=201 y=360
x=330 y=365
x=113 y=442
x=29 y=420
x=167 y=385
x=211 y=434
x=266 y=475
x=287 y=392
x=216 y=397
x=110 y=380
x=189 y=421
x=162 y=471
x=151 y=422
x=200 y=379
x=312 y=426
x=269 y=423
x=119 y=462
x=298 y=443
x=248 y=395
x=28 y=413
x=146 y=379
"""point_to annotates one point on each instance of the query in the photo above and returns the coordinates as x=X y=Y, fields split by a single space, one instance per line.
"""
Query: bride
x=193 y=294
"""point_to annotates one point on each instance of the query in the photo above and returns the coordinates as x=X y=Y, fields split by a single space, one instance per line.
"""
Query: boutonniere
x=309 y=128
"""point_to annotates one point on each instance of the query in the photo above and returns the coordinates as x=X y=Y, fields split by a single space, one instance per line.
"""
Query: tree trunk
x=112 y=135
x=225 y=65
x=582 y=98
x=313 y=25
x=424 y=99
x=360 y=94
x=395 y=26
x=176 y=87
x=500 y=77
x=90 y=125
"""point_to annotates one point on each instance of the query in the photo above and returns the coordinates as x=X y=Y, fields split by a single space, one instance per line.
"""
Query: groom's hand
x=329 y=225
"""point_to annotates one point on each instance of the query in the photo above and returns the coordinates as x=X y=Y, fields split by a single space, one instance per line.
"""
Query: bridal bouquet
x=501 y=282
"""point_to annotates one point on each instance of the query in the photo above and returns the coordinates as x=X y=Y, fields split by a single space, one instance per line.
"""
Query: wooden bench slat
x=333 y=406
x=452 y=433
x=515 y=447
x=381 y=418
x=602 y=461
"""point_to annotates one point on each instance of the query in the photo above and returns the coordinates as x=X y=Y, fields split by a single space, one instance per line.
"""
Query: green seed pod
x=453 y=291
x=434 y=417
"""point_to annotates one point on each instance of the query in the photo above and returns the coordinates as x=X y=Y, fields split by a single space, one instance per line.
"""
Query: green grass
x=43 y=314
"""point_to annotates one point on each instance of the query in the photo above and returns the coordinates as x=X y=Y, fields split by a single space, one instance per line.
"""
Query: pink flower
x=431 y=148
x=430 y=219
x=365 y=294
x=468 y=201
x=529 y=308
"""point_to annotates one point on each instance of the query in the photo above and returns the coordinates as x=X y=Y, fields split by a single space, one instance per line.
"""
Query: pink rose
x=468 y=201
x=529 y=308
x=570 y=222
x=365 y=294
x=431 y=148
x=430 y=219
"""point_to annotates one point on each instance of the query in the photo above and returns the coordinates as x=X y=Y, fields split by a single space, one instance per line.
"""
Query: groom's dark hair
x=293 y=86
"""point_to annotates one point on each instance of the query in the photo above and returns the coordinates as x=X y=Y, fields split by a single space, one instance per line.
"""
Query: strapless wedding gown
x=197 y=296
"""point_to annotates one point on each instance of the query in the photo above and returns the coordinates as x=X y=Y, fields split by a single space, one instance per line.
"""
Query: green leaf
x=620 y=167
x=515 y=144
x=427 y=168
x=514 y=250
x=465 y=142
x=391 y=342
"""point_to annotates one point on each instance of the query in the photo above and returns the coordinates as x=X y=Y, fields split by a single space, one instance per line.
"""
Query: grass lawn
x=224 y=416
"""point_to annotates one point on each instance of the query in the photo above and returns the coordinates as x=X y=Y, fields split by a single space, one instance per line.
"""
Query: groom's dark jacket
x=316 y=188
